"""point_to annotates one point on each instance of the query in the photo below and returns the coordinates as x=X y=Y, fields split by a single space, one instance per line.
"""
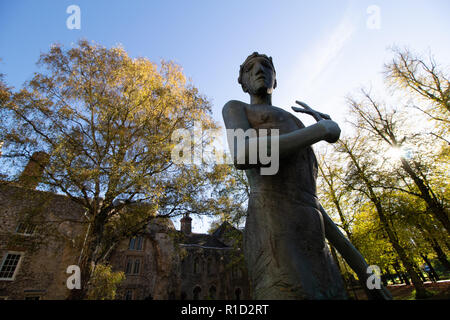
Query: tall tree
x=332 y=192
x=106 y=121
x=362 y=176
x=386 y=126
x=5 y=94
x=425 y=79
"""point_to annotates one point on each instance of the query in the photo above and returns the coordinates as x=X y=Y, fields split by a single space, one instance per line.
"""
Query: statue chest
x=268 y=117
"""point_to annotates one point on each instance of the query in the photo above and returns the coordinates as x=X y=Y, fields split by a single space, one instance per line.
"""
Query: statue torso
x=284 y=239
x=296 y=177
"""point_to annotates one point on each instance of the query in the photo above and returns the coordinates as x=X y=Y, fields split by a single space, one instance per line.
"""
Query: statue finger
x=304 y=105
x=296 y=109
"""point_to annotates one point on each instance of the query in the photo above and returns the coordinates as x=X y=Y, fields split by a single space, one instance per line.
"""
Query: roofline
x=204 y=247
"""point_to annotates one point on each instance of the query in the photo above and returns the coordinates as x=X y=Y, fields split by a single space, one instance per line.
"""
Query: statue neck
x=265 y=99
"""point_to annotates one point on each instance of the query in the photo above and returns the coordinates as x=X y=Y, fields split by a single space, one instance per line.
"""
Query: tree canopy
x=105 y=121
x=386 y=182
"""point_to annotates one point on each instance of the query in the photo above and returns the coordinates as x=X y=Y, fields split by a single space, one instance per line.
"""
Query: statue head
x=257 y=74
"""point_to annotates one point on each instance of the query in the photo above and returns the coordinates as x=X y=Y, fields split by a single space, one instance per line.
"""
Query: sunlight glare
x=395 y=153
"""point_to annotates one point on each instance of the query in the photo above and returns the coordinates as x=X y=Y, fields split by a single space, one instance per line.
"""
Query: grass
x=438 y=291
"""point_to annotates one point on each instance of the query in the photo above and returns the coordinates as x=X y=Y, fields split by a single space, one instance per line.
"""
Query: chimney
x=32 y=174
x=186 y=224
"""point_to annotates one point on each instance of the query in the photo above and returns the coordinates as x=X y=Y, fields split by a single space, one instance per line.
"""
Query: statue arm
x=235 y=117
x=352 y=256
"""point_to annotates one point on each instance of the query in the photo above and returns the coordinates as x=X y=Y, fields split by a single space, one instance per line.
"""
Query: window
x=212 y=292
x=10 y=265
x=133 y=266
x=184 y=266
x=25 y=228
x=129 y=266
x=197 y=265
x=136 y=243
x=137 y=264
x=196 y=292
x=237 y=293
x=209 y=266
x=234 y=272
x=129 y=295
x=34 y=294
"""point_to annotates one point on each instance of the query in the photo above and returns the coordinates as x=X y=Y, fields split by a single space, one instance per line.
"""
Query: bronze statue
x=284 y=237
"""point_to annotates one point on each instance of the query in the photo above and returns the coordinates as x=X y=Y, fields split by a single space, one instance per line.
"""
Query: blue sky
x=322 y=50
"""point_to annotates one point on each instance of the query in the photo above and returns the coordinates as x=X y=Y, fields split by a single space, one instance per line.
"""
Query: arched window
x=209 y=266
x=133 y=265
x=212 y=292
x=136 y=243
x=184 y=265
x=196 y=292
x=196 y=265
x=237 y=293
x=129 y=294
x=234 y=272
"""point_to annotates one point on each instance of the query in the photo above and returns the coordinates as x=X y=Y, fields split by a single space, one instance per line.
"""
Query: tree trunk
x=440 y=254
x=400 y=274
x=428 y=235
x=90 y=257
x=85 y=269
x=384 y=277
x=404 y=258
x=420 y=274
x=433 y=204
x=433 y=275
x=407 y=263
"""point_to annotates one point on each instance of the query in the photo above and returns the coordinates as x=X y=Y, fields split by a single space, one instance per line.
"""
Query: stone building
x=33 y=265
x=165 y=263
x=159 y=263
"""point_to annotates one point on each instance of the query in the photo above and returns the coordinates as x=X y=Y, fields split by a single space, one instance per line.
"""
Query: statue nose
x=260 y=71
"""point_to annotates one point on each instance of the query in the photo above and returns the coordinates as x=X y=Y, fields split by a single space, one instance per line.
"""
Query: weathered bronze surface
x=284 y=237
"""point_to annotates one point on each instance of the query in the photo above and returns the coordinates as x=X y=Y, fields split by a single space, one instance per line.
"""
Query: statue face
x=258 y=76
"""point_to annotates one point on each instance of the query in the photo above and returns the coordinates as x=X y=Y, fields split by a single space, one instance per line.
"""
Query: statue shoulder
x=234 y=108
x=233 y=105
x=234 y=115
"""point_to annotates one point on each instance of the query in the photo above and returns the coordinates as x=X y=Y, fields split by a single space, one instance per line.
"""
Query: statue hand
x=331 y=130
